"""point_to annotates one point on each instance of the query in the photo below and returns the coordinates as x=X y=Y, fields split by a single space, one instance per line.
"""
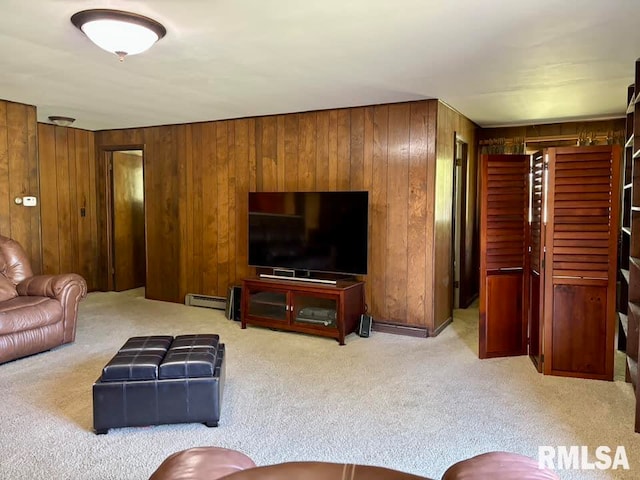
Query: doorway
x=126 y=225
x=459 y=267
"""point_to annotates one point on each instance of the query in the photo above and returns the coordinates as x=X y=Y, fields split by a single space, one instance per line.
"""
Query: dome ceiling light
x=118 y=32
x=61 y=121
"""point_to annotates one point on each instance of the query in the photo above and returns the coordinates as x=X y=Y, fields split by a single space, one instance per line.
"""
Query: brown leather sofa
x=213 y=463
x=38 y=312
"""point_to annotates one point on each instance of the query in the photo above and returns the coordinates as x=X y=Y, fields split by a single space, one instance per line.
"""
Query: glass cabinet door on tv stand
x=269 y=304
x=317 y=309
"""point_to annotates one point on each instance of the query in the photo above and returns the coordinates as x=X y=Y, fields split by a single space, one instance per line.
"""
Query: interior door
x=456 y=224
x=581 y=250
x=503 y=258
x=466 y=253
x=536 y=257
x=129 y=258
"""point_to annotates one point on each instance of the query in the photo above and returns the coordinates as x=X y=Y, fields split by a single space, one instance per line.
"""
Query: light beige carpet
x=413 y=404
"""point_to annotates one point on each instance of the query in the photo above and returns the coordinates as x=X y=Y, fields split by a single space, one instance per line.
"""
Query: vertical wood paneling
x=430 y=212
x=542 y=135
x=344 y=150
x=18 y=181
x=19 y=177
x=158 y=209
x=86 y=202
x=368 y=181
x=74 y=264
x=67 y=166
x=291 y=152
x=333 y=150
x=417 y=212
x=280 y=161
x=5 y=199
x=397 y=205
x=357 y=149
x=222 y=175
x=210 y=225
x=19 y=159
x=162 y=220
x=196 y=214
x=185 y=141
x=49 y=199
x=449 y=124
x=368 y=148
x=322 y=151
x=389 y=150
x=443 y=222
x=377 y=278
x=231 y=195
x=242 y=187
x=267 y=167
x=64 y=199
x=307 y=151
x=34 y=188
x=253 y=154
x=92 y=253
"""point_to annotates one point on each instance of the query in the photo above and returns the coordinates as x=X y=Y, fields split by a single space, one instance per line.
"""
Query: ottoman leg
x=211 y=424
x=102 y=431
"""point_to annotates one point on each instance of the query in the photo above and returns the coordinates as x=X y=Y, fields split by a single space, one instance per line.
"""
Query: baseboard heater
x=206 y=301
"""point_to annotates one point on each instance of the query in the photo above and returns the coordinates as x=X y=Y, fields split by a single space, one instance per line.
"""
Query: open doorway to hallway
x=464 y=273
x=127 y=221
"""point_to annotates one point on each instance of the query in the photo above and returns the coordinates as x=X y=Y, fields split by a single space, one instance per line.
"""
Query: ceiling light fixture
x=61 y=121
x=119 y=32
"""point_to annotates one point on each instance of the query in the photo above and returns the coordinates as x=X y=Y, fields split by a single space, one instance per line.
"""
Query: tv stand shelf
x=317 y=309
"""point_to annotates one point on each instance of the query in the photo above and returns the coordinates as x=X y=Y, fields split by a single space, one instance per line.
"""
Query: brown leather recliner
x=38 y=312
x=214 y=463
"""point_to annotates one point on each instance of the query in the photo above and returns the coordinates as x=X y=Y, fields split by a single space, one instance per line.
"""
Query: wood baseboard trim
x=471 y=300
x=386 y=327
x=442 y=327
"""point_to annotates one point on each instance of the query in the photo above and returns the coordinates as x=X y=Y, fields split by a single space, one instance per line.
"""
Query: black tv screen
x=310 y=231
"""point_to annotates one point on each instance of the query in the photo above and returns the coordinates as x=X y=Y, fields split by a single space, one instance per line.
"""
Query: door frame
x=105 y=205
x=459 y=221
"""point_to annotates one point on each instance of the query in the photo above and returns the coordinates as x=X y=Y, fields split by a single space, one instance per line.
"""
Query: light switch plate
x=29 y=201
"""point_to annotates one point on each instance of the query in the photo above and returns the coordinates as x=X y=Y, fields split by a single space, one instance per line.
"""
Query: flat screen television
x=309 y=231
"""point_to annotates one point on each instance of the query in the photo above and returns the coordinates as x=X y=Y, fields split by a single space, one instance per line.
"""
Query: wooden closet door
x=580 y=268
x=536 y=258
x=503 y=255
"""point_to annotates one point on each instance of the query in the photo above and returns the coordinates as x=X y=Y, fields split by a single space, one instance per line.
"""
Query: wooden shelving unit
x=629 y=262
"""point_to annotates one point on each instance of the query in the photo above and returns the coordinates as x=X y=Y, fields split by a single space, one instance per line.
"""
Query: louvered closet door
x=580 y=268
x=503 y=259
x=536 y=256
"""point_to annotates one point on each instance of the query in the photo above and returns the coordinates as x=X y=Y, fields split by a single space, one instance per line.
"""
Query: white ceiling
x=498 y=62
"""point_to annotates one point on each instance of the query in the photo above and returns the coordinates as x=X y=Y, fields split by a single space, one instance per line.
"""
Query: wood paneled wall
x=452 y=125
x=68 y=201
x=197 y=177
x=551 y=131
x=19 y=177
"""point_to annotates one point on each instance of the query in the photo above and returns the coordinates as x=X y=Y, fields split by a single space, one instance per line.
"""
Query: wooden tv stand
x=317 y=309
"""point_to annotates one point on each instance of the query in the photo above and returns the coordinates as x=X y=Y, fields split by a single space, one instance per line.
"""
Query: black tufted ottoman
x=159 y=380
